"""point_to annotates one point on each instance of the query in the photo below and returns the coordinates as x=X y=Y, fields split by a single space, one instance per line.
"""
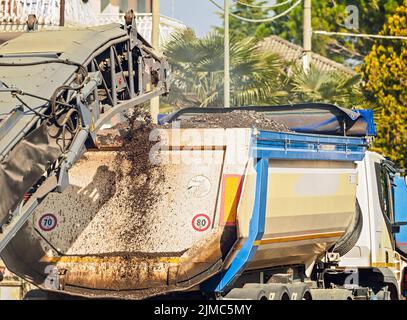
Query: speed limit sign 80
x=201 y=222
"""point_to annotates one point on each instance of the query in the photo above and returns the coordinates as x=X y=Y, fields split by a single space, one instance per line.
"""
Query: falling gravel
x=132 y=221
x=140 y=178
x=142 y=185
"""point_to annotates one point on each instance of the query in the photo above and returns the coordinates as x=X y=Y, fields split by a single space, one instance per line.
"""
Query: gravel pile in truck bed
x=234 y=119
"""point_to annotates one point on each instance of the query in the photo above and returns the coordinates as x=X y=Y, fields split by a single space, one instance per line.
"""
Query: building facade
x=121 y=6
x=13 y=15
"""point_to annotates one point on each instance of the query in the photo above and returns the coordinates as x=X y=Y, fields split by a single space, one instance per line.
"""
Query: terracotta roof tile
x=293 y=53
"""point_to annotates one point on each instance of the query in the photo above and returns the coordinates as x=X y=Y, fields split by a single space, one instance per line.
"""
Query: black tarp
x=25 y=165
x=313 y=118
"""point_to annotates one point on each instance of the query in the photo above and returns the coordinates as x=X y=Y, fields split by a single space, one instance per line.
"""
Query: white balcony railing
x=14 y=14
x=144 y=22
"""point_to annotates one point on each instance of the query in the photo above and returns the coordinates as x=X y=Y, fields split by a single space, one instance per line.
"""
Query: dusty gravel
x=234 y=119
x=141 y=217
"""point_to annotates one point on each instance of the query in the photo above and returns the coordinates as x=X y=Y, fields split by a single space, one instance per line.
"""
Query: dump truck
x=290 y=205
x=303 y=212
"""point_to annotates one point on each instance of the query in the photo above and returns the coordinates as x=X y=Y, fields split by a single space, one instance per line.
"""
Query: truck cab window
x=384 y=190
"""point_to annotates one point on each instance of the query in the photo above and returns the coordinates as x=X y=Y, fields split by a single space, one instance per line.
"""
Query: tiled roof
x=293 y=53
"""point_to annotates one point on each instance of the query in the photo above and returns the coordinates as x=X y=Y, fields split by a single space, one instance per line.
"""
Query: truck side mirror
x=395 y=228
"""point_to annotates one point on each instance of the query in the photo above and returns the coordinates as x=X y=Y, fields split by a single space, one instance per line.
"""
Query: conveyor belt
x=58 y=88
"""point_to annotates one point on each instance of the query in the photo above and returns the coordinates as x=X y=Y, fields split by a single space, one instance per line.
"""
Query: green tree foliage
x=241 y=29
x=324 y=86
x=197 y=71
x=256 y=78
x=385 y=73
x=331 y=15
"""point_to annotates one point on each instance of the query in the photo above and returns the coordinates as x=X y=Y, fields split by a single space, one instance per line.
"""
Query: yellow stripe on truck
x=231 y=190
x=296 y=238
x=385 y=265
x=172 y=260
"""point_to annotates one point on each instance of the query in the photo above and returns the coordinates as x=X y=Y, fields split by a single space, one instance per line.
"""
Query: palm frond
x=197 y=66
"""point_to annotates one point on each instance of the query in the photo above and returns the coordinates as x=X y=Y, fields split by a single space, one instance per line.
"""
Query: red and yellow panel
x=231 y=191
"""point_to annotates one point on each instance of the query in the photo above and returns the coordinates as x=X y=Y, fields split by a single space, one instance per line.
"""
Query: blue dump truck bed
x=317 y=174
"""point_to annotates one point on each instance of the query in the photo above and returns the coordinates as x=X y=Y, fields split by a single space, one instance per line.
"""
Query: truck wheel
x=300 y=291
x=246 y=294
x=352 y=234
x=331 y=294
x=274 y=291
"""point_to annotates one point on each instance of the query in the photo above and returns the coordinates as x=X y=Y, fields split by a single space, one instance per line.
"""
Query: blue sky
x=197 y=14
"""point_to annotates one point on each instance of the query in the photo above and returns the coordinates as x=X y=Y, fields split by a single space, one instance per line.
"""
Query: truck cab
x=380 y=247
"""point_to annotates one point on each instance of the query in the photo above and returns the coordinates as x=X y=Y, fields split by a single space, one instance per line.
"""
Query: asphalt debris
x=233 y=119
x=139 y=178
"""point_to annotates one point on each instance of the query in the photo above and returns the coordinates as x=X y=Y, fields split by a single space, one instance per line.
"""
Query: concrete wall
x=115 y=6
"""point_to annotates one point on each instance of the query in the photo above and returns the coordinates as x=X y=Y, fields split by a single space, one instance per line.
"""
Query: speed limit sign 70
x=48 y=222
x=201 y=222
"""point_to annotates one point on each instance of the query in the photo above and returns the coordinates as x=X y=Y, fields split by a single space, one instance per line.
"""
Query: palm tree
x=257 y=78
x=198 y=77
x=325 y=86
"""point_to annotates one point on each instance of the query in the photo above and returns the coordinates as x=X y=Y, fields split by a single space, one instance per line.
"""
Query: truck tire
x=352 y=234
x=246 y=294
x=273 y=291
x=331 y=294
x=299 y=291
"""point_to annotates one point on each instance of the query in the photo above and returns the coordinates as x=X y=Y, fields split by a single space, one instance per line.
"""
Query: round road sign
x=201 y=222
x=47 y=222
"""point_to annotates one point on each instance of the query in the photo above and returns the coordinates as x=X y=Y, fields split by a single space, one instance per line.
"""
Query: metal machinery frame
x=41 y=134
